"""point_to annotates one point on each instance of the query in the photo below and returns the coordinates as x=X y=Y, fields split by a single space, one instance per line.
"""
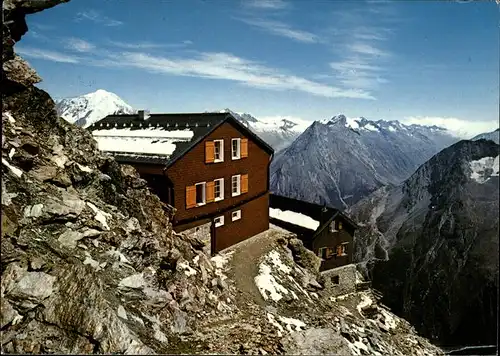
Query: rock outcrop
x=90 y=263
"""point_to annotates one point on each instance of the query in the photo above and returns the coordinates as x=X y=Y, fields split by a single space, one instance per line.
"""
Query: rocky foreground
x=90 y=263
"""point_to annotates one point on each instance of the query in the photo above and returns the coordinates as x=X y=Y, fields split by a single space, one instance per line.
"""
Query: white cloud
x=42 y=27
x=358 y=73
x=459 y=127
x=79 y=45
x=213 y=65
x=266 y=4
x=281 y=29
x=368 y=49
x=360 y=42
x=95 y=16
x=148 y=45
x=226 y=66
x=47 y=55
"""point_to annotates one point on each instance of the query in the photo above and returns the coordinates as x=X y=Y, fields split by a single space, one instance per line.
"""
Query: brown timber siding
x=192 y=169
x=254 y=220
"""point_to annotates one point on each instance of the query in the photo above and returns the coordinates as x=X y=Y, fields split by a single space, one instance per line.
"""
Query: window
x=218 y=151
x=235 y=148
x=322 y=251
x=342 y=249
x=219 y=221
x=219 y=189
x=335 y=280
x=236 y=215
x=235 y=185
x=200 y=193
x=340 y=225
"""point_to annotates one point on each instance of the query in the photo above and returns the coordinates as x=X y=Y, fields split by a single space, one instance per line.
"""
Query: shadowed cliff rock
x=432 y=244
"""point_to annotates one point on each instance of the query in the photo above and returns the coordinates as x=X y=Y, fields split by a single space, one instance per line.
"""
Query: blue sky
x=415 y=61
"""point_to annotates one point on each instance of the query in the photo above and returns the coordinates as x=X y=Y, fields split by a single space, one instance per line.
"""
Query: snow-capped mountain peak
x=277 y=131
x=361 y=124
x=493 y=136
x=86 y=109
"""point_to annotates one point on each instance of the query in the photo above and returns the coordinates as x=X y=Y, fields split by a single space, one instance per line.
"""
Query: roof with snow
x=302 y=214
x=160 y=138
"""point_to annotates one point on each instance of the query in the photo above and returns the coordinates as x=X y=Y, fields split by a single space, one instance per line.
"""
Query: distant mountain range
x=277 y=132
x=430 y=244
x=89 y=108
x=340 y=160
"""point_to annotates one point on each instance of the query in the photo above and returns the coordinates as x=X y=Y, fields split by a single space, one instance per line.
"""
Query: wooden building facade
x=208 y=166
x=326 y=231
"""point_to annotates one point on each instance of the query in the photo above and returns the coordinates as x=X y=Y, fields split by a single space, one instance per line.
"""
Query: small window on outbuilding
x=335 y=280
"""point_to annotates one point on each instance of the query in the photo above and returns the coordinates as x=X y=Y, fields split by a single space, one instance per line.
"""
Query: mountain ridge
x=346 y=159
x=432 y=242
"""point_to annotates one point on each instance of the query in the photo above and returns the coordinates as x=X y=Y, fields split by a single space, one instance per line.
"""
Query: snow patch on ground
x=267 y=284
x=365 y=301
x=484 y=168
x=221 y=260
x=84 y=168
x=274 y=257
x=9 y=116
x=116 y=254
x=188 y=270
x=100 y=215
x=281 y=323
x=14 y=170
x=357 y=346
x=294 y=218
x=389 y=321
x=276 y=279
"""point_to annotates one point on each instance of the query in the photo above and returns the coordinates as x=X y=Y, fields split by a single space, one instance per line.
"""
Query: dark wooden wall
x=254 y=220
x=331 y=239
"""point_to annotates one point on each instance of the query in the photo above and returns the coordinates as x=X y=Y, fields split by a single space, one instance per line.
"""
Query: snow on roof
x=294 y=218
x=136 y=145
x=152 y=132
x=143 y=141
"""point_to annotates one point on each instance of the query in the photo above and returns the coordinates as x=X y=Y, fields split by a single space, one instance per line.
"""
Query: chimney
x=143 y=114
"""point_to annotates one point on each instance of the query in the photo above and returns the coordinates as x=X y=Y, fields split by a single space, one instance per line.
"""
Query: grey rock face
x=431 y=245
x=316 y=342
x=335 y=164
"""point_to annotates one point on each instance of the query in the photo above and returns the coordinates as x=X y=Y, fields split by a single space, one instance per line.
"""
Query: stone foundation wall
x=340 y=280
